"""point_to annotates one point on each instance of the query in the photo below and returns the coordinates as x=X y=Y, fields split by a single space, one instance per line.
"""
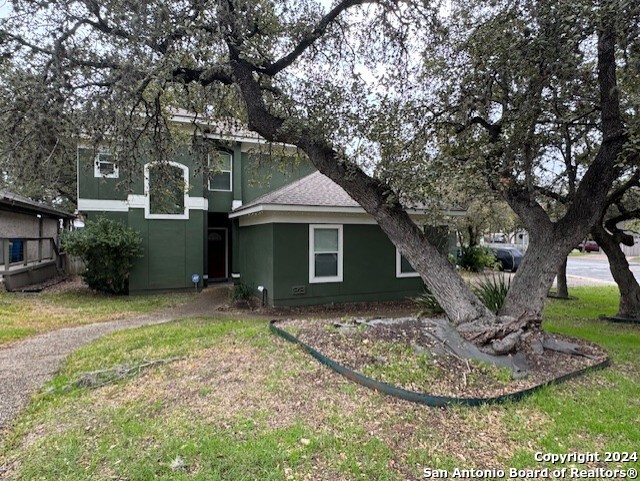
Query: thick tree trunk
x=629 y=307
x=531 y=284
x=562 y=290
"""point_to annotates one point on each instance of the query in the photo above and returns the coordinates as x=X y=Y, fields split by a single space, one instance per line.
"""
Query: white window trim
x=312 y=265
x=399 y=272
x=221 y=171
x=96 y=167
x=147 y=206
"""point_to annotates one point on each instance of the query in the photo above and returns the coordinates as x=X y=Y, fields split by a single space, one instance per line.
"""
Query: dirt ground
x=402 y=354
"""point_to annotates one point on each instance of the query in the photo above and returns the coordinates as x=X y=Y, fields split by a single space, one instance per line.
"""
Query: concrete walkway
x=25 y=366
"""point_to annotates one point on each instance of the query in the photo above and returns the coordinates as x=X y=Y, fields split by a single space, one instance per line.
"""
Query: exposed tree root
x=564 y=347
x=503 y=335
x=95 y=379
x=449 y=341
x=504 y=342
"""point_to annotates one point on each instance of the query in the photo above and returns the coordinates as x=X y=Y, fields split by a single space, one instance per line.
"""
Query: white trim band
x=134 y=201
x=90 y=205
x=260 y=208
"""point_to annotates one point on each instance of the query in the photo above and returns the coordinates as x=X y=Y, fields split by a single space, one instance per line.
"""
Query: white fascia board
x=136 y=201
x=249 y=143
x=326 y=209
x=305 y=218
x=297 y=208
x=198 y=203
x=133 y=202
x=93 y=205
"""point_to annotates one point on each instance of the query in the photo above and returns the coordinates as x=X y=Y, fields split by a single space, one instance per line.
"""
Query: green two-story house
x=291 y=233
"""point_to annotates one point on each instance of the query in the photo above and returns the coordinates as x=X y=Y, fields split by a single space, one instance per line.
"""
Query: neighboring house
x=296 y=235
x=29 y=241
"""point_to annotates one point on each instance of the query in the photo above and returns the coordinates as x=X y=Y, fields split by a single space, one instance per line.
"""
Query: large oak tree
x=299 y=73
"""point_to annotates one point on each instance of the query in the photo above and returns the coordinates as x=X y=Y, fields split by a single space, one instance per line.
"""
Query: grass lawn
x=240 y=404
x=23 y=315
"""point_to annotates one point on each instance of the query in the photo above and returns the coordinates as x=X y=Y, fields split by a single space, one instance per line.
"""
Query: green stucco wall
x=172 y=251
x=175 y=249
x=91 y=187
x=118 y=216
x=255 y=261
x=368 y=271
x=262 y=174
x=252 y=176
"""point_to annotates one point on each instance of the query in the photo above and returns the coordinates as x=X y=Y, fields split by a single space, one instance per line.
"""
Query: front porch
x=28 y=260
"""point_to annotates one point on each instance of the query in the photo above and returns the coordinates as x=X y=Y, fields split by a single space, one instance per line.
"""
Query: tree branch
x=318 y=31
x=619 y=191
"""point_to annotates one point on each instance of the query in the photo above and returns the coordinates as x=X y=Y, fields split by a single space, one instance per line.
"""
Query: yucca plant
x=428 y=303
x=492 y=291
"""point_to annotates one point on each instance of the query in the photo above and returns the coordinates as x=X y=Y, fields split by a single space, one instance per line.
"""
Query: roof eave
x=323 y=209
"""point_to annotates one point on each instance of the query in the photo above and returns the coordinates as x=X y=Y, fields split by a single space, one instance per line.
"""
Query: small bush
x=108 y=249
x=493 y=291
x=428 y=303
x=242 y=292
x=476 y=258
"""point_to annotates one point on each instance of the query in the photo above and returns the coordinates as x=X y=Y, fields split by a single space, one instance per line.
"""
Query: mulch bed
x=375 y=350
x=45 y=285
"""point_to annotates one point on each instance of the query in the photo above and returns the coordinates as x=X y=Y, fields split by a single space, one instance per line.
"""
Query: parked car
x=589 y=246
x=508 y=258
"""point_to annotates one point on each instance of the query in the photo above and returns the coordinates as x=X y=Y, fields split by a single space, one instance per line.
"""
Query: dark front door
x=218 y=253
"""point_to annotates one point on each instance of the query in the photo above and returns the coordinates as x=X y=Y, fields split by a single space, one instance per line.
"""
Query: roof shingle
x=315 y=189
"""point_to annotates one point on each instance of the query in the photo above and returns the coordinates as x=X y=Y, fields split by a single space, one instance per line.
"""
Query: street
x=595 y=266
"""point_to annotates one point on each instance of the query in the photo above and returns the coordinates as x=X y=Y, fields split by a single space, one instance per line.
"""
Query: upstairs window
x=325 y=253
x=220 y=166
x=166 y=190
x=105 y=166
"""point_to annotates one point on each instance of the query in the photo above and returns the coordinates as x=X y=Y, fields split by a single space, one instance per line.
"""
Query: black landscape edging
x=561 y=298
x=422 y=398
x=619 y=320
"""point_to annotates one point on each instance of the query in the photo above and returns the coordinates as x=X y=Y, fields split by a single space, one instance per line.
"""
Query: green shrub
x=476 y=258
x=492 y=291
x=428 y=303
x=108 y=249
x=242 y=292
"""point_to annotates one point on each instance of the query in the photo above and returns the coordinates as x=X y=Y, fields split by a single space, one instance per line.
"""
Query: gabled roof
x=19 y=203
x=313 y=193
x=315 y=189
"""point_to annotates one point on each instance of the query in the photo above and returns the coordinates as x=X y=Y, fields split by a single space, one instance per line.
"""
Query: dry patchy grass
x=243 y=404
x=70 y=304
x=277 y=387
